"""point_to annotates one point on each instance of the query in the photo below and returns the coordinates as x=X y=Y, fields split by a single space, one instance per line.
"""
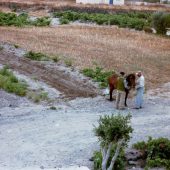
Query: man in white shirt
x=140 y=85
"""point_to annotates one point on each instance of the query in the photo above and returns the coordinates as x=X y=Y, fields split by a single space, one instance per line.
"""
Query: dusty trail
x=57 y=78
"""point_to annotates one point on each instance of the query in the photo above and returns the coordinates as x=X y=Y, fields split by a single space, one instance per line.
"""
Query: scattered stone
x=133 y=155
x=133 y=163
x=41 y=167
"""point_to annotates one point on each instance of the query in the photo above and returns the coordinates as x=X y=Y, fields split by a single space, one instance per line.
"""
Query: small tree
x=114 y=129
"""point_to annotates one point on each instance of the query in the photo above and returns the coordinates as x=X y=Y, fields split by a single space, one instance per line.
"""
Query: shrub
x=64 y=21
x=131 y=19
x=55 y=58
x=53 y=108
x=113 y=133
x=11 y=19
x=16 y=46
x=68 y=62
x=44 y=21
x=98 y=75
x=38 y=96
x=36 y=56
x=11 y=84
x=161 y=21
x=157 y=152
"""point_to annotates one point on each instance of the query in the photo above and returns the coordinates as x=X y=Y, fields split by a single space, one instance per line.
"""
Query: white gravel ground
x=33 y=136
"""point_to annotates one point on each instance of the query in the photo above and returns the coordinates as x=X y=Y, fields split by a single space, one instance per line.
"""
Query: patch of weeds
x=68 y=62
x=53 y=108
x=1 y=48
x=11 y=19
x=10 y=83
x=44 y=21
x=98 y=75
x=36 y=56
x=135 y=20
x=16 y=46
x=64 y=21
x=38 y=96
x=55 y=58
x=157 y=152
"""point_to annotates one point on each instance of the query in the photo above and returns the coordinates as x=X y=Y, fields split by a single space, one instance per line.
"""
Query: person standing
x=120 y=98
x=140 y=87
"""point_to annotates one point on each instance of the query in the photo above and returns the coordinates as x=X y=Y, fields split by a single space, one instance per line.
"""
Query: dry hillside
x=110 y=47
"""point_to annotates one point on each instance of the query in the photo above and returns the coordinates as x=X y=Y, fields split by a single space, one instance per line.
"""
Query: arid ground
x=110 y=47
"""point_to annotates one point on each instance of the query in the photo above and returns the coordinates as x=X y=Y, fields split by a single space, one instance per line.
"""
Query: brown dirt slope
x=55 y=77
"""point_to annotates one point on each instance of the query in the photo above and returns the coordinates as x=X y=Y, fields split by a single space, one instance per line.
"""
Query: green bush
x=136 y=20
x=161 y=21
x=68 y=62
x=157 y=152
x=44 y=21
x=98 y=75
x=64 y=21
x=113 y=133
x=11 y=84
x=36 y=56
x=11 y=19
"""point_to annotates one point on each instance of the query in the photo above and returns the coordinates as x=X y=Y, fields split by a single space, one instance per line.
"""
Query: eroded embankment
x=54 y=76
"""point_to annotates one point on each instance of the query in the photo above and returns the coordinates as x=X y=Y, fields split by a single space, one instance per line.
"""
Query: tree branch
x=105 y=159
x=104 y=152
x=119 y=144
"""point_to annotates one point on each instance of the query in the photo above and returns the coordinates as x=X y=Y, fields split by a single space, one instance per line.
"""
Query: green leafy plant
x=68 y=62
x=136 y=20
x=157 y=152
x=98 y=75
x=10 y=83
x=43 y=21
x=36 y=56
x=11 y=19
x=113 y=133
x=38 y=96
x=64 y=21
x=55 y=58
x=53 y=108
x=16 y=46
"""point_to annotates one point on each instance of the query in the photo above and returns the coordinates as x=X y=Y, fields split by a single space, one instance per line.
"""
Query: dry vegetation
x=57 y=4
x=110 y=47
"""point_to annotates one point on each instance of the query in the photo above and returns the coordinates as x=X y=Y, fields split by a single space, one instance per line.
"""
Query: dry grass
x=55 y=4
x=110 y=47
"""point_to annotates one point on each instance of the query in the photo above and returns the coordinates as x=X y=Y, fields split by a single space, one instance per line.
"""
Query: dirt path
x=33 y=136
x=71 y=86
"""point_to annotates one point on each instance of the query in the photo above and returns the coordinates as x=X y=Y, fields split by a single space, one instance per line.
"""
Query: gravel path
x=35 y=136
